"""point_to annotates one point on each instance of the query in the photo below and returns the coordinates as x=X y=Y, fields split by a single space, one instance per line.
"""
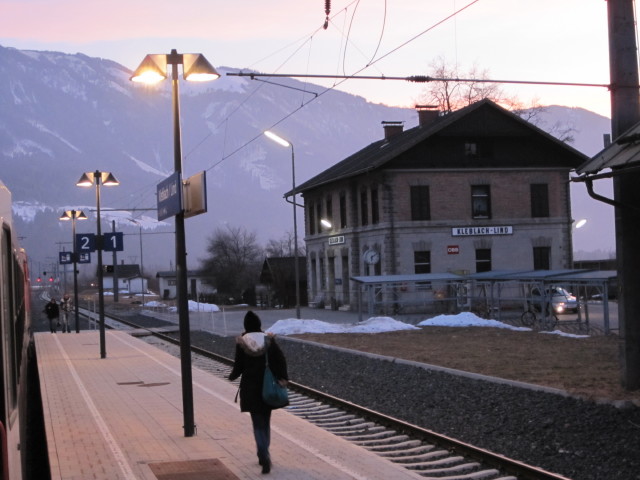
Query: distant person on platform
x=66 y=305
x=250 y=363
x=52 y=311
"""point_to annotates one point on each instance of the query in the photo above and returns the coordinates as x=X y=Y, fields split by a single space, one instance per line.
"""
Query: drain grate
x=206 y=469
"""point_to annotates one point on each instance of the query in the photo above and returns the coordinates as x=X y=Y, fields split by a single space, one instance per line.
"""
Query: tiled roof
x=383 y=151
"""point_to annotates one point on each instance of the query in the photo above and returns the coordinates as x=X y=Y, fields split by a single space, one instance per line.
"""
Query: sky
x=520 y=40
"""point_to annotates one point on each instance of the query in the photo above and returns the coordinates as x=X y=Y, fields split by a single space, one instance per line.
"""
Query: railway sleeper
x=325 y=423
x=299 y=405
x=393 y=444
x=421 y=449
x=461 y=469
x=311 y=406
x=383 y=435
x=358 y=425
x=360 y=433
x=328 y=415
x=481 y=475
x=441 y=462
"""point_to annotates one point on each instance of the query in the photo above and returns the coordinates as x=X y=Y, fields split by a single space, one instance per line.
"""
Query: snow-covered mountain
x=62 y=115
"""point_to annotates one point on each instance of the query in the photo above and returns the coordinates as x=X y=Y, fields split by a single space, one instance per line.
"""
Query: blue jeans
x=262 y=432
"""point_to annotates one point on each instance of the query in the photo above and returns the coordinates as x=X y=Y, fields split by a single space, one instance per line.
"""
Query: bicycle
x=530 y=318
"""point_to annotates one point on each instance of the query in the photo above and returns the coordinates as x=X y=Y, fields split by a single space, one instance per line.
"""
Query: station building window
x=375 y=207
x=539 y=200
x=318 y=217
x=422 y=261
x=364 y=208
x=420 y=203
x=343 y=210
x=312 y=219
x=483 y=260
x=541 y=258
x=329 y=205
x=481 y=201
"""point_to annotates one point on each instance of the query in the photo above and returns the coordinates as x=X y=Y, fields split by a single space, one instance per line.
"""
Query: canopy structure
x=496 y=293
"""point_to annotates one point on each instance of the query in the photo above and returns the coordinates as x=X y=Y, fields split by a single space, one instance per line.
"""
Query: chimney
x=427 y=114
x=391 y=129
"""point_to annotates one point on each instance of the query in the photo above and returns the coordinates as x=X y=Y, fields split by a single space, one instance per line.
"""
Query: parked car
x=562 y=300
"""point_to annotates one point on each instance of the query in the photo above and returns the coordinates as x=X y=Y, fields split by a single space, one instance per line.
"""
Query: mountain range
x=62 y=115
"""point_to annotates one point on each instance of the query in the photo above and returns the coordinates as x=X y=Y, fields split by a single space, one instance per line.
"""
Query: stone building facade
x=476 y=190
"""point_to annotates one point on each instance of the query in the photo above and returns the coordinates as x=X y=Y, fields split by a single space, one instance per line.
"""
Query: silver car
x=562 y=300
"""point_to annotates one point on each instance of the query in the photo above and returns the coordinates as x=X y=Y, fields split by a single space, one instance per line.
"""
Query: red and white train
x=15 y=344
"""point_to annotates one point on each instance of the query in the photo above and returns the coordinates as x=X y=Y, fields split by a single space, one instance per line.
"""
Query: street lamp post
x=74 y=215
x=153 y=69
x=141 y=263
x=281 y=141
x=107 y=179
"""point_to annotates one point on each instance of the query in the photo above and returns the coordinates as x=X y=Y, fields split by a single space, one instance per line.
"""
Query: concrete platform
x=121 y=418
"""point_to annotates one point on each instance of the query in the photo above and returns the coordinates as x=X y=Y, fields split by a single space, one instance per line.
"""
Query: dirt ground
x=587 y=367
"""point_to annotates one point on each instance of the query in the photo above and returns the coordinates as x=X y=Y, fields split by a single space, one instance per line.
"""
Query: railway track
x=429 y=454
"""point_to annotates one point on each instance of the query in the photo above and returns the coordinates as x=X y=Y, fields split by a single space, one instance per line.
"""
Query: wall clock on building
x=371 y=257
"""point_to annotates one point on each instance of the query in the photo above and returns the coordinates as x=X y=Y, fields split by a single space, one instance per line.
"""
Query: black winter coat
x=52 y=310
x=251 y=364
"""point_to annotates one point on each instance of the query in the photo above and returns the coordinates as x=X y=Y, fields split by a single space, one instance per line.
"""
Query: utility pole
x=625 y=113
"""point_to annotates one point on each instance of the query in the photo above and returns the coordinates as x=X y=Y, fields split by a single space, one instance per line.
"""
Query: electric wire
x=318 y=95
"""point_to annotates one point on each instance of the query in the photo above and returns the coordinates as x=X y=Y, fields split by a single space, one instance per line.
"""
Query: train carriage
x=15 y=340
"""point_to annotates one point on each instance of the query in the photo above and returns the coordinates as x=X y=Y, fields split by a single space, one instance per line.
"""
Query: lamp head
x=86 y=180
x=73 y=214
x=325 y=223
x=108 y=180
x=196 y=68
x=153 y=69
x=277 y=138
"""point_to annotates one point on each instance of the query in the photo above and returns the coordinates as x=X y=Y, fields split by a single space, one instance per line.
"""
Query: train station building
x=471 y=191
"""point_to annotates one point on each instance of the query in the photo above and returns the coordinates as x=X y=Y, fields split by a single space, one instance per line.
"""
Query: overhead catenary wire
x=317 y=95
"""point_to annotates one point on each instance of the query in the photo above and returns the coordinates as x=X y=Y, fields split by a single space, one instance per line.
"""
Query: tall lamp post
x=107 y=179
x=153 y=69
x=281 y=141
x=74 y=215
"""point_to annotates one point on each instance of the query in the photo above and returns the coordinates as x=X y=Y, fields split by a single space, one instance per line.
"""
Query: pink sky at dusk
x=542 y=40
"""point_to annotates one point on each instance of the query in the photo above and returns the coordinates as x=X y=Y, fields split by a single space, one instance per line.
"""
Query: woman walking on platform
x=250 y=362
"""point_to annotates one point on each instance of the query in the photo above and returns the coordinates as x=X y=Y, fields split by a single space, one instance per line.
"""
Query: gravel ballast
x=547 y=428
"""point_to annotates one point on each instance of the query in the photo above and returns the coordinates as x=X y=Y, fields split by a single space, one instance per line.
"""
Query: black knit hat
x=252 y=322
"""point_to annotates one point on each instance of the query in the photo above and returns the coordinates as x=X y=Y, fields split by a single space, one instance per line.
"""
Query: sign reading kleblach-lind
x=465 y=231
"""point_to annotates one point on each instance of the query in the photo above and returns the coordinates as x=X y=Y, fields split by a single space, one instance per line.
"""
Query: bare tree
x=284 y=247
x=234 y=261
x=455 y=90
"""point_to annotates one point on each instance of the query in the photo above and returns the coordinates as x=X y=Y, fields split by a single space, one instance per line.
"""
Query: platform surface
x=121 y=417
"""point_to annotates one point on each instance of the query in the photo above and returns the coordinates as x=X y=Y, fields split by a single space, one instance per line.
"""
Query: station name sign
x=336 y=240
x=467 y=231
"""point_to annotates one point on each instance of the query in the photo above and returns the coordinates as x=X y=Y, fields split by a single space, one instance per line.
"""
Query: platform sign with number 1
x=113 y=242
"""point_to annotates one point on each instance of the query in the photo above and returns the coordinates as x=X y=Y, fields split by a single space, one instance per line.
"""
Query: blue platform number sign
x=85 y=242
x=113 y=242
x=84 y=257
x=66 y=258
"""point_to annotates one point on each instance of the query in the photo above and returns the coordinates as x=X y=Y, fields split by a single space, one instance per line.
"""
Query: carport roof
x=418 y=277
x=547 y=276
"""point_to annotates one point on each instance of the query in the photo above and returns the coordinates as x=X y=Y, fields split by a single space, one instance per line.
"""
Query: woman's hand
x=282 y=382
